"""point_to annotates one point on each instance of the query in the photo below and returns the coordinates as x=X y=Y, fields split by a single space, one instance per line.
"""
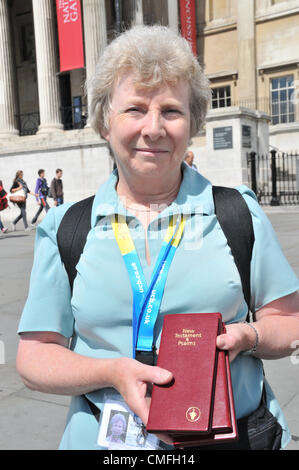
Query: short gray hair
x=156 y=55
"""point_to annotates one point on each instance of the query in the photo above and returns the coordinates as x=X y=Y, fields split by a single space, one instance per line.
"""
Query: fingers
x=139 y=404
x=155 y=374
x=226 y=341
x=132 y=378
x=149 y=375
x=231 y=341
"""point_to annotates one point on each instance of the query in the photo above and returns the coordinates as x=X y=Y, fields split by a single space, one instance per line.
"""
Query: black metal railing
x=265 y=105
x=72 y=117
x=28 y=123
x=261 y=103
x=274 y=177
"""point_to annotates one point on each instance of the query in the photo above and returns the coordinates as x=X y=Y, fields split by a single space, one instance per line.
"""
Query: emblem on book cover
x=193 y=414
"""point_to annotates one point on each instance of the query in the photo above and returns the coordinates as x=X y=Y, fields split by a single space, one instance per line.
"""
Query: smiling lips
x=151 y=150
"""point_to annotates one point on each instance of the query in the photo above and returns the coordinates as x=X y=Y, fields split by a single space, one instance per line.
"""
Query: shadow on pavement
x=3 y=237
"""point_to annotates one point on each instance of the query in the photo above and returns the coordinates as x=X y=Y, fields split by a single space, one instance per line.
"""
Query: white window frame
x=277 y=117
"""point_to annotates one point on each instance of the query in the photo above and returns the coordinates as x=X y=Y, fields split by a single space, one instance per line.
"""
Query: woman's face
x=149 y=129
x=117 y=427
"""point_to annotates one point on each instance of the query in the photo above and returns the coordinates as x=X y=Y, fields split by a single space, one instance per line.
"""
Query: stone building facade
x=250 y=53
x=248 y=48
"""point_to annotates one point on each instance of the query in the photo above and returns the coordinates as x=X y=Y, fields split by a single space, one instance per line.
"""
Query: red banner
x=70 y=37
x=188 y=22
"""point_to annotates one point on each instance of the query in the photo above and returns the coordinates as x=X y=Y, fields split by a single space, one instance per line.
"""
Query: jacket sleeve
x=38 y=187
x=48 y=305
x=53 y=189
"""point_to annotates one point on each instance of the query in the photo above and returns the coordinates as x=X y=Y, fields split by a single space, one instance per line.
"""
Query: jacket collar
x=194 y=196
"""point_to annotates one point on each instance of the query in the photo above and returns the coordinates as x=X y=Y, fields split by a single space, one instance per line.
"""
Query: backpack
x=3 y=199
x=44 y=188
x=231 y=211
x=50 y=194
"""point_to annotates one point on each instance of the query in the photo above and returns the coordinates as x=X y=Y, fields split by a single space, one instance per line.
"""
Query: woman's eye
x=134 y=109
x=172 y=111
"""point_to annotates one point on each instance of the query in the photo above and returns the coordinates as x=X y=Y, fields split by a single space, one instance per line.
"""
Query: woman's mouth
x=151 y=151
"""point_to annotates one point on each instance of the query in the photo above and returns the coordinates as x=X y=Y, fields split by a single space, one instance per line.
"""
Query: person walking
x=56 y=188
x=19 y=183
x=3 y=205
x=41 y=190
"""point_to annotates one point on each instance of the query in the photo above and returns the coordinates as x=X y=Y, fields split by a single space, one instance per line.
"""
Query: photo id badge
x=120 y=429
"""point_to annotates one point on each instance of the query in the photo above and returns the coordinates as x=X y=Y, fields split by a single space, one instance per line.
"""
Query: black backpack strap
x=71 y=239
x=235 y=220
x=72 y=234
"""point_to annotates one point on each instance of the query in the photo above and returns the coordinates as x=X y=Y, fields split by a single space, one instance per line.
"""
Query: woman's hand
x=132 y=378
x=238 y=337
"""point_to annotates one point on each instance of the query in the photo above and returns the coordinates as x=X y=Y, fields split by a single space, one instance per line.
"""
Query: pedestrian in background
x=189 y=158
x=19 y=183
x=3 y=205
x=56 y=188
x=41 y=191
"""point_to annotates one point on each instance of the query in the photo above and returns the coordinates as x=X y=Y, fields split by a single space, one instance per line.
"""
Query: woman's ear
x=104 y=133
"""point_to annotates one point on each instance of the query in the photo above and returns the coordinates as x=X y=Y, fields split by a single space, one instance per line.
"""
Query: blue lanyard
x=147 y=300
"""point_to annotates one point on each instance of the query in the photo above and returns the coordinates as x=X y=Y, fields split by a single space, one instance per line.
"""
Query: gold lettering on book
x=187 y=337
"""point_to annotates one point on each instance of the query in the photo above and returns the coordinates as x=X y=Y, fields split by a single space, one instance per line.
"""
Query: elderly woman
x=149 y=97
x=117 y=428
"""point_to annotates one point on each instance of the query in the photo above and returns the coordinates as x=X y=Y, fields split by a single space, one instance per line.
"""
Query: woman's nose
x=153 y=126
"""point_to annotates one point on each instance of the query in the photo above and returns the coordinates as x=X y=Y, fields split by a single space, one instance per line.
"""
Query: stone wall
x=83 y=157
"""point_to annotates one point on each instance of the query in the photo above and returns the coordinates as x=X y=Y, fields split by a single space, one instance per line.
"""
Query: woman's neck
x=147 y=196
x=145 y=200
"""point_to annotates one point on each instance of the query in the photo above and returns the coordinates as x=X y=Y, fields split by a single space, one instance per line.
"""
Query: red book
x=197 y=406
x=224 y=425
x=188 y=350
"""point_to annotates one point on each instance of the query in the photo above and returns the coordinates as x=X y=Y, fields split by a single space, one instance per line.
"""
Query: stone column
x=173 y=15
x=7 y=91
x=137 y=8
x=46 y=62
x=95 y=33
x=246 y=53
